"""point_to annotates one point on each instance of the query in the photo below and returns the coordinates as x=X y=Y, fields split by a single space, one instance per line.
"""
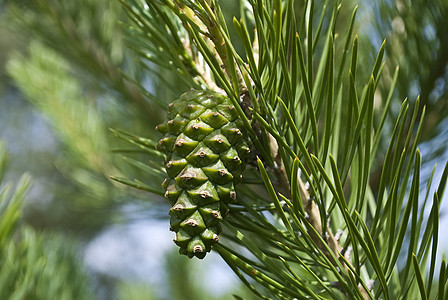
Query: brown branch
x=313 y=213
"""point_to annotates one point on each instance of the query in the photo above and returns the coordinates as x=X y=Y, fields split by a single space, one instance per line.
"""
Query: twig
x=312 y=211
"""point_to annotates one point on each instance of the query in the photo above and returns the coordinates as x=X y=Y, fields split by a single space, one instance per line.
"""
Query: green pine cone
x=205 y=149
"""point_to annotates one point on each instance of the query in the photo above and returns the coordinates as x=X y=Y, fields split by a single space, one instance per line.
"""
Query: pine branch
x=297 y=94
x=289 y=95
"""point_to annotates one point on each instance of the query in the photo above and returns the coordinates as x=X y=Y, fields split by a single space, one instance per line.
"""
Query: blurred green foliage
x=35 y=265
x=417 y=42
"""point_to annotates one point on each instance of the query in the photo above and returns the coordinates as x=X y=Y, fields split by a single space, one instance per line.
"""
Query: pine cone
x=205 y=149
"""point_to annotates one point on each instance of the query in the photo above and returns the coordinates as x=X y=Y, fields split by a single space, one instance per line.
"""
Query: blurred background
x=61 y=90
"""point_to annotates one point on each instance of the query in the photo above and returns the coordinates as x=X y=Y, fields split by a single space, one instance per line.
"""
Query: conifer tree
x=268 y=153
x=314 y=133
